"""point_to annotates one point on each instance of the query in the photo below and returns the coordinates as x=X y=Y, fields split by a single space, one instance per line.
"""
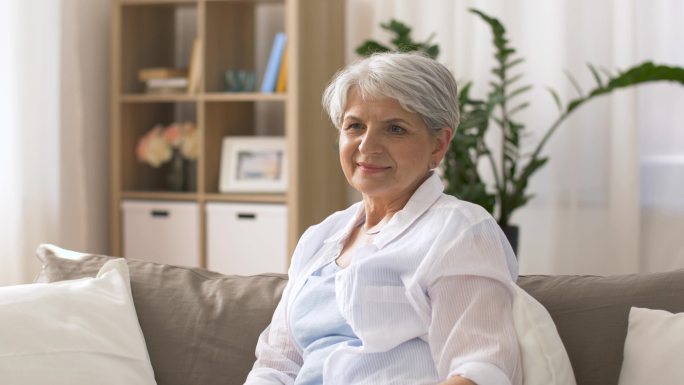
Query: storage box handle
x=246 y=216
x=159 y=213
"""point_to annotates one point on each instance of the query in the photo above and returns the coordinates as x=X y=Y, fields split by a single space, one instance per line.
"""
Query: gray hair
x=420 y=85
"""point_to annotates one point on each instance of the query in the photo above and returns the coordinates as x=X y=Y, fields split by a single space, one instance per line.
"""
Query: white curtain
x=611 y=198
x=53 y=124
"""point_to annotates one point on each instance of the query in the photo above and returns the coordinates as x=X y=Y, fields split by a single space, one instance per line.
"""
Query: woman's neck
x=378 y=213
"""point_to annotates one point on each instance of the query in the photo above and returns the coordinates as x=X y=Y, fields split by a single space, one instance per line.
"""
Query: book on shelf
x=270 y=79
x=166 y=85
x=145 y=74
x=168 y=82
x=195 y=70
x=281 y=86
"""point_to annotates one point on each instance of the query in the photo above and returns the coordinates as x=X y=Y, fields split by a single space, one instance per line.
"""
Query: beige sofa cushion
x=200 y=327
x=591 y=314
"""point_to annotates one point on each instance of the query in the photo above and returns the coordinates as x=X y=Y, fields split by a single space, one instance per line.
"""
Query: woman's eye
x=354 y=126
x=396 y=129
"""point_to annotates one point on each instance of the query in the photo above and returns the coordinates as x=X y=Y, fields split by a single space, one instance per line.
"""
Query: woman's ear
x=442 y=141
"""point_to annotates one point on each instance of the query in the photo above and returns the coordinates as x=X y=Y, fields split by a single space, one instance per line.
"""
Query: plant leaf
x=606 y=72
x=513 y=79
x=519 y=91
x=642 y=73
x=514 y=63
x=370 y=47
x=597 y=77
x=556 y=98
x=574 y=82
x=518 y=108
x=400 y=29
x=517 y=198
x=402 y=41
x=433 y=51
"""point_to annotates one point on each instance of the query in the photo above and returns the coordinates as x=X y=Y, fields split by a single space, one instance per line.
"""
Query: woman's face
x=386 y=151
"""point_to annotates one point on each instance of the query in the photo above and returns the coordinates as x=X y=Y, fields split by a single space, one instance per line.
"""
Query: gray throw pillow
x=200 y=327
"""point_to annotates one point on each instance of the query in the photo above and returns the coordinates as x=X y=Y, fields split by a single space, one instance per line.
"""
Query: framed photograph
x=253 y=164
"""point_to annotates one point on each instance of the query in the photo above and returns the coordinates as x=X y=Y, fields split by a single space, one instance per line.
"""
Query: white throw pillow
x=544 y=359
x=654 y=348
x=76 y=332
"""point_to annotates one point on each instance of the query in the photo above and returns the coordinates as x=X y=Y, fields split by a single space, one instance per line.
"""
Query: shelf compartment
x=239 y=35
x=136 y=120
x=236 y=118
x=157 y=34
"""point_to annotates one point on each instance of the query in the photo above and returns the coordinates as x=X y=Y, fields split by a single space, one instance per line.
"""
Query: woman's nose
x=371 y=142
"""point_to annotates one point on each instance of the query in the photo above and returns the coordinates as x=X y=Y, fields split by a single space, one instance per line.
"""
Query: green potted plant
x=502 y=102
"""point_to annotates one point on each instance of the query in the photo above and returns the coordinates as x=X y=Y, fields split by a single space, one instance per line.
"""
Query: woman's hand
x=457 y=380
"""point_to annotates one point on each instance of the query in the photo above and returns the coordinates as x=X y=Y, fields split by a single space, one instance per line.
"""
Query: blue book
x=272 y=68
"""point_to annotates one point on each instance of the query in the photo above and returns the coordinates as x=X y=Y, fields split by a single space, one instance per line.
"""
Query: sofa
x=201 y=327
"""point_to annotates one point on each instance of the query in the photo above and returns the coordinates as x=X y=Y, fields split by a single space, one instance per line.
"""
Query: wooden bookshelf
x=234 y=34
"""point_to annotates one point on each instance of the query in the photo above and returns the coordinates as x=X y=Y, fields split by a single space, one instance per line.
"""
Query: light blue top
x=317 y=325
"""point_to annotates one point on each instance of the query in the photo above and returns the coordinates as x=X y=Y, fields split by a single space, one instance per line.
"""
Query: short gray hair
x=420 y=85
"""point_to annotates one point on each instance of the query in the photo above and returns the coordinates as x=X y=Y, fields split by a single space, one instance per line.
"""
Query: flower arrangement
x=158 y=145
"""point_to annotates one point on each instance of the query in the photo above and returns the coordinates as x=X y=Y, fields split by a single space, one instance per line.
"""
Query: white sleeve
x=278 y=359
x=471 y=294
x=472 y=331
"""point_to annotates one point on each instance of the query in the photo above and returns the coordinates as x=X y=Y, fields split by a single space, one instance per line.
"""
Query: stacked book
x=164 y=80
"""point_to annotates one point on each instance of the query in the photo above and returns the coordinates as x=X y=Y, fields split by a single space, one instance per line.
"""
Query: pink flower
x=189 y=141
x=172 y=134
x=141 y=149
x=156 y=146
x=153 y=148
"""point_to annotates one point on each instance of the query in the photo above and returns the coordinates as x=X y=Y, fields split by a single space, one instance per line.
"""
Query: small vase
x=190 y=175
x=175 y=180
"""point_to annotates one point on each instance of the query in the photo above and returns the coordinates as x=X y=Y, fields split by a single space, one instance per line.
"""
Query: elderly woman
x=408 y=286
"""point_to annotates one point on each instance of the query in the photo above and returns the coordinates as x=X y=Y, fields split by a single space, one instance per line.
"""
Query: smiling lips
x=370 y=168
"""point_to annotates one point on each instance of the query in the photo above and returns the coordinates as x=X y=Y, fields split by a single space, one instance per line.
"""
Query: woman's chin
x=372 y=188
x=377 y=189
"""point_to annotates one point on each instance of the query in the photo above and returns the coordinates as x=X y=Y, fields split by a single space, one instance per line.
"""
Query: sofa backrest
x=591 y=314
x=201 y=327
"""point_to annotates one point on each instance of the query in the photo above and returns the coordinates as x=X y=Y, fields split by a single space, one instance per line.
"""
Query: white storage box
x=161 y=231
x=246 y=239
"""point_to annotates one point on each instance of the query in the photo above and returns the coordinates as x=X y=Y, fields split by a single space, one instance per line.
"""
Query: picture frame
x=253 y=164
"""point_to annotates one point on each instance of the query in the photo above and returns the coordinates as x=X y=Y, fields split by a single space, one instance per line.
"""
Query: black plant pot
x=512 y=236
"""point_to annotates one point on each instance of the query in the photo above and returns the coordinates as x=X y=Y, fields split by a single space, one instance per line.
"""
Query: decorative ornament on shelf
x=176 y=144
x=469 y=149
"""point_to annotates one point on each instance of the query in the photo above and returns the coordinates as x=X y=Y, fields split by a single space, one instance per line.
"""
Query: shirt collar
x=356 y=211
x=421 y=200
x=426 y=194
